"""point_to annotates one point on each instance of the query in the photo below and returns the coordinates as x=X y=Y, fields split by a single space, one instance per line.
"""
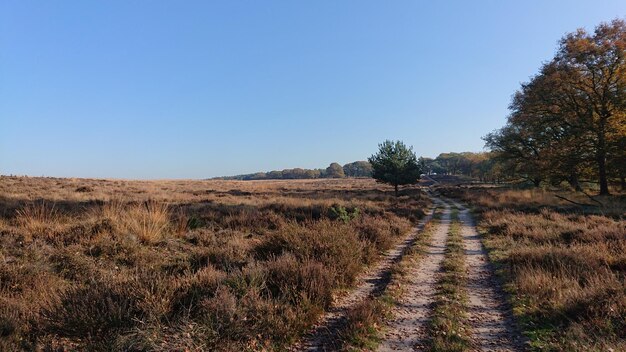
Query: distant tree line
x=334 y=170
x=481 y=166
x=568 y=123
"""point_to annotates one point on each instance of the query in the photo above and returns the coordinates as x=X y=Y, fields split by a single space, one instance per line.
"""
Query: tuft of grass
x=148 y=221
x=38 y=218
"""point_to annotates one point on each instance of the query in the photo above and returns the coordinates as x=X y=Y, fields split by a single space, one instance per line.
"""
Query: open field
x=266 y=265
x=175 y=265
x=563 y=265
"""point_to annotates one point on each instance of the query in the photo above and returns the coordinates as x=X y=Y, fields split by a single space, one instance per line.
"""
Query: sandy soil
x=491 y=323
x=490 y=319
x=407 y=329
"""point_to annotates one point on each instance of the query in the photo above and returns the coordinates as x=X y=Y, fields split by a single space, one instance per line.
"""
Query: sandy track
x=324 y=337
x=490 y=319
x=407 y=330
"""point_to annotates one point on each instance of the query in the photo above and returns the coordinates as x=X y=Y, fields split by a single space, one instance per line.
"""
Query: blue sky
x=195 y=89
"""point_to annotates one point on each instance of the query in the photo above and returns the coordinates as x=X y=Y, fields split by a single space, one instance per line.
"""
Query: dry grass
x=361 y=332
x=148 y=221
x=532 y=200
x=39 y=218
x=183 y=265
x=564 y=265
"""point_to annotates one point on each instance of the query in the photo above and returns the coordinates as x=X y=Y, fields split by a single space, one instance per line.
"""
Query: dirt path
x=407 y=329
x=324 y=337
x=490 y=319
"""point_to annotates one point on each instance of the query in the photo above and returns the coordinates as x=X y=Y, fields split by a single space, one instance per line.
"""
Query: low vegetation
x=183 y=265
x=564 y=265
x=362 y=329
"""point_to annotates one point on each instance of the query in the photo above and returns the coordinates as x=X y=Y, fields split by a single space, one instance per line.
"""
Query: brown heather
x=564 y=265
x=183 y=265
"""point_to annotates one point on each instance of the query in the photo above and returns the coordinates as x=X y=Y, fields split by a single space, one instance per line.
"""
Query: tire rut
x=490 y=318
x=324 y=336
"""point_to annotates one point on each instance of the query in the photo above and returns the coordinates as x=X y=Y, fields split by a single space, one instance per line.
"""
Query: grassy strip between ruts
x=366 y=320
x=448 y=326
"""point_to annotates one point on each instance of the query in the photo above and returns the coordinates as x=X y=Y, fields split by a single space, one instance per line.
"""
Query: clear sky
x=195 y=89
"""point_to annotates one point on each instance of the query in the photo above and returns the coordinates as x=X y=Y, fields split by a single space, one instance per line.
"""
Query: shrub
x=95 y=311
x=335 y=245
x=338 y=212
x=293 y=281
x=191 y=291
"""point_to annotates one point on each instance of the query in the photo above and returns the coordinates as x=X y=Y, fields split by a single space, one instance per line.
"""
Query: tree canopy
x=334 y=170
x=395 y=164
x=569 y=121
x=358 y=169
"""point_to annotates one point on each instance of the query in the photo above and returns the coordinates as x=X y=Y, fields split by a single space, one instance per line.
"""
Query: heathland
x=184 y=265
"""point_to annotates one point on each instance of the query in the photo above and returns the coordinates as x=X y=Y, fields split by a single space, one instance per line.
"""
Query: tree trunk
x=601 y=158
x=396 y=188
x=536 y=181
x=573 y=181
x=604 y=184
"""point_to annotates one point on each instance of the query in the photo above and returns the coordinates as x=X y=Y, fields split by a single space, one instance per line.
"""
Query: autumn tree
x=395 y=164
x=431 y=166
x=358 y=169
x=594 y=87
x=334 y=170
x=570 y=118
